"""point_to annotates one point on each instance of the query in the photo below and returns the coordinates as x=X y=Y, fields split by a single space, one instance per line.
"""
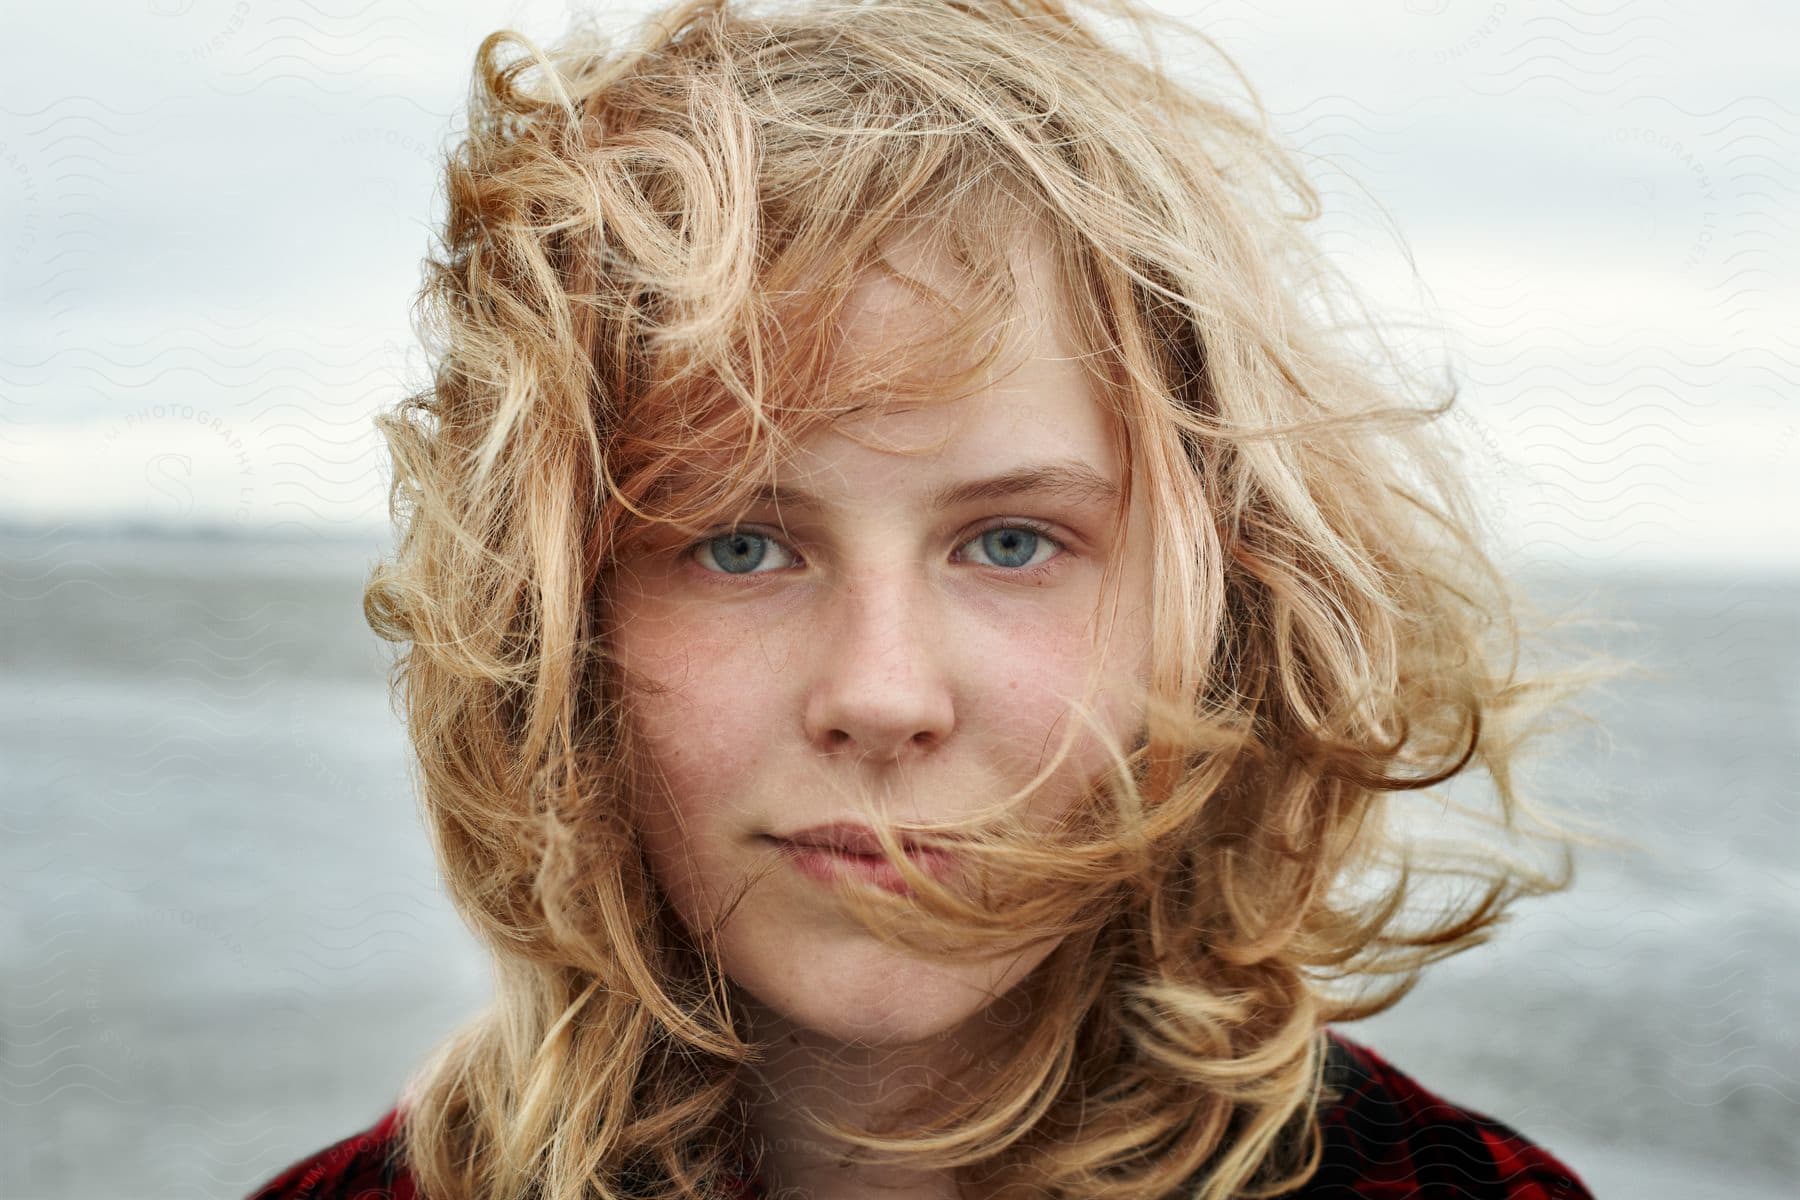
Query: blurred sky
x=212 y=215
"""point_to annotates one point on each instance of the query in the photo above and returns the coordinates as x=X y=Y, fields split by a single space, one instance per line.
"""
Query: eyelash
x=1042 y=530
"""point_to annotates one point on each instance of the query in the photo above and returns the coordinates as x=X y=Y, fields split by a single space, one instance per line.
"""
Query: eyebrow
x=1068 y=480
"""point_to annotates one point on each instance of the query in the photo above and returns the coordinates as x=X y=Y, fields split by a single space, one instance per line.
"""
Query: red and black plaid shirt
x=1388 y=1138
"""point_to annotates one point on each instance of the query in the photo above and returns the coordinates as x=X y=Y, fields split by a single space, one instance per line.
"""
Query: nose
x=880 y=688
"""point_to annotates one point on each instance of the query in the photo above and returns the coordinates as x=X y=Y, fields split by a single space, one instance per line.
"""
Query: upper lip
x=851 y=837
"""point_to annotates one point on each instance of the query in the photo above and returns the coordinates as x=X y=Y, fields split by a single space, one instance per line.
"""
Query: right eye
x=733 y=552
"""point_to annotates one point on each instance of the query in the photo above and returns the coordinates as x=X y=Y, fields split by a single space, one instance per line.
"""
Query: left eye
x=1011 y=546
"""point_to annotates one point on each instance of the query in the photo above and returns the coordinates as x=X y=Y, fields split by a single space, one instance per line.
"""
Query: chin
x=857 y=991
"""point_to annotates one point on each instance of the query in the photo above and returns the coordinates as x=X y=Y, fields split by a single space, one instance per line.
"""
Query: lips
x=825 y=852
x=846 y=837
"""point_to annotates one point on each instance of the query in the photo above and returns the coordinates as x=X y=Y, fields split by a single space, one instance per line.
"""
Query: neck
x=859 y=1085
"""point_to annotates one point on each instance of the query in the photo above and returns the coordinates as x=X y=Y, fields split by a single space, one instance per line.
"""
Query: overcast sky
x=212 y=215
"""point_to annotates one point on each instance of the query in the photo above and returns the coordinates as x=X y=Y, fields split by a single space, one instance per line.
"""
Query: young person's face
x=878 y=643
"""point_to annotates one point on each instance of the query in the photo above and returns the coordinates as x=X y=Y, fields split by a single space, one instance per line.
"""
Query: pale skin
x=925 y=654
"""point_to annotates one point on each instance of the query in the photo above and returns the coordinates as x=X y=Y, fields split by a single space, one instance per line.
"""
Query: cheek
x=1028 y=699
x=700 y=713
x=719 y=702
x=693 y=805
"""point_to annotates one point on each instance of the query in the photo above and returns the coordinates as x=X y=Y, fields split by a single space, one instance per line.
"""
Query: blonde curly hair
x=629 y=316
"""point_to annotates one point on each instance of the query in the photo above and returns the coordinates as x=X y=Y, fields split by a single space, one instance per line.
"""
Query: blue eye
x=1005 y=542
x=1010 y=544
x=738 y=552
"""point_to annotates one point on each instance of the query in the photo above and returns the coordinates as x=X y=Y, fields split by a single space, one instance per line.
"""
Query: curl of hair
x=630 y=314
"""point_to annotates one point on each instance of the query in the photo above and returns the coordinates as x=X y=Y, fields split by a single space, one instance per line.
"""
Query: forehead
x=881 y=307
x=1037 y=405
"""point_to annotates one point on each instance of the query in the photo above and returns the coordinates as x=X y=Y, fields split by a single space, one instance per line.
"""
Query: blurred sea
x=223 y=943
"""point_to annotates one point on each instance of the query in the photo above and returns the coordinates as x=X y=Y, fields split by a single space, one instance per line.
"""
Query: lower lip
x=823 y=864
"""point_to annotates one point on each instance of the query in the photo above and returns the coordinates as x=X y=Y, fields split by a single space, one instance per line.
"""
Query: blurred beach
x=224 y=944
